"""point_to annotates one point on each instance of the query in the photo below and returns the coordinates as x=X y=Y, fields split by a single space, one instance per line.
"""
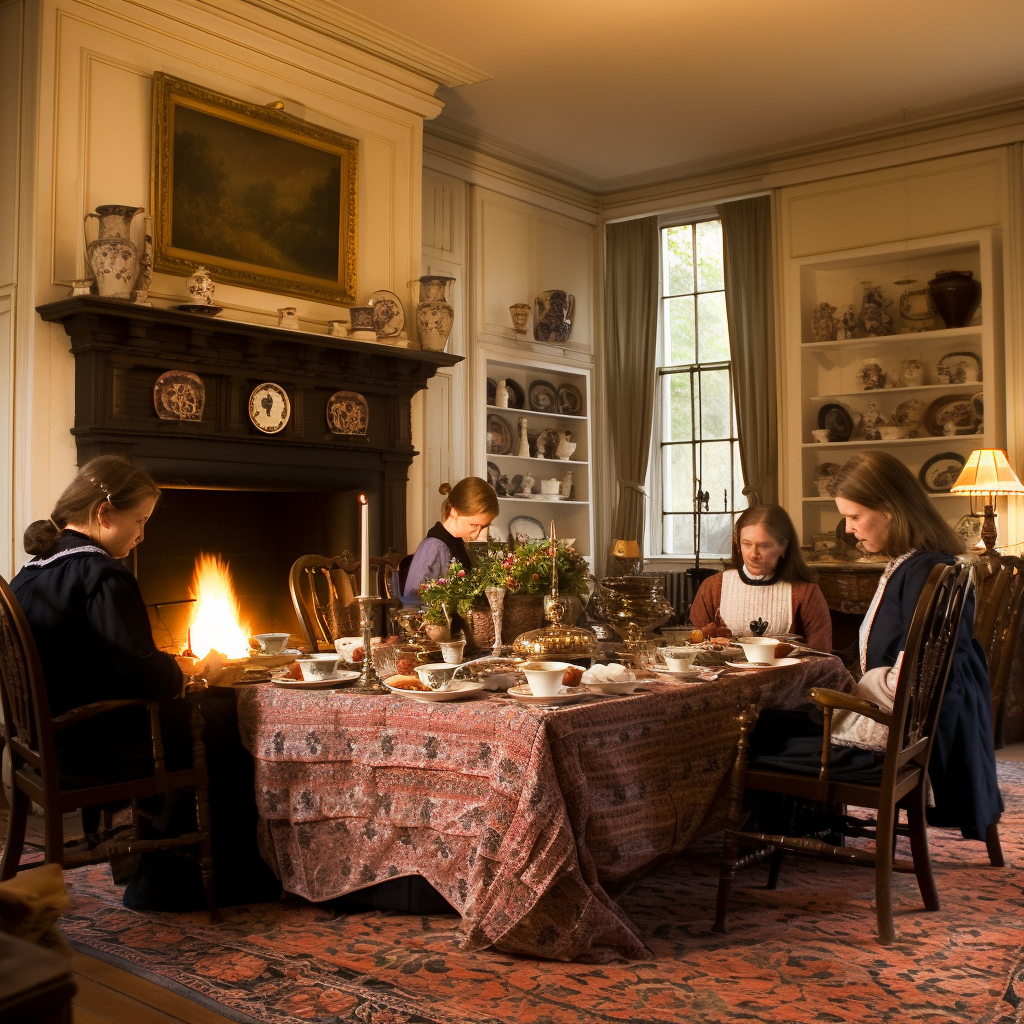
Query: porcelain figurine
x=501 y=394
x=566 y=446
x=523 y=447
x=871 y=422
x=286 y=317
x=874 y=318
x=870 y=376
x=844 y=332
x=528 y=483
x=567 y=485
x=553 y=317
x=911 y=373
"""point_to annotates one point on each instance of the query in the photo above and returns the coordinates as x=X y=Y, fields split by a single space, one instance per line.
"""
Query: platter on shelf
x=492 y=388
x=959 y=368
x=939 y=473
x=499 y=435
x=837 y=421
x=493 y=473
x=516 y=394
x=570 y=400
x=951 y=415
x=526 y=528
x=543 y=396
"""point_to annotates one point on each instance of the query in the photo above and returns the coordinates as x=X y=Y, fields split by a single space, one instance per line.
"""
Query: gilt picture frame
x=259 y=197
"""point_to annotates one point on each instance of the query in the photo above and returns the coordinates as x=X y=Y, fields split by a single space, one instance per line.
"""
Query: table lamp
x=987 y=474
x=628 y=554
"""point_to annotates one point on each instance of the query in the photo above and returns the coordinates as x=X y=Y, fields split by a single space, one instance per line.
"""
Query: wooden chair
x=324 y=591
x=30 y=732
x=903 y=783
x=1000 y=590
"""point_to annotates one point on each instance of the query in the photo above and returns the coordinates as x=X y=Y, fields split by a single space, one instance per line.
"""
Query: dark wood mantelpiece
x=120 y=348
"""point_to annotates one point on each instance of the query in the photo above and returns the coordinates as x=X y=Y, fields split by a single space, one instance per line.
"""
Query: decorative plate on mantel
x=269 y=408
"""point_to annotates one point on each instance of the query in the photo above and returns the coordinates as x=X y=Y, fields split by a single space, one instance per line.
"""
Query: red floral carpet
x=803 y=953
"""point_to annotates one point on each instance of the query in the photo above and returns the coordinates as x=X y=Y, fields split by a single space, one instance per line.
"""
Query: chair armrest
x=826 y=698
x=97 y=708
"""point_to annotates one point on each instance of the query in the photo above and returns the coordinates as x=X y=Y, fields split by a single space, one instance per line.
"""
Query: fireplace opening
x=258 y=533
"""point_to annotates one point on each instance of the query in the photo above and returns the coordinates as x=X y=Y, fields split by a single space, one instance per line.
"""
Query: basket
x=521 y=612
x=848 y=587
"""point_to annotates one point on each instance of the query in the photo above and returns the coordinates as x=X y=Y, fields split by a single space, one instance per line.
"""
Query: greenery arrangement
x=524 y=569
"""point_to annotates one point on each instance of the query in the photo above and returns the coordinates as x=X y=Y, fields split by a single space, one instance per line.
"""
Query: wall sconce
x=986 y=475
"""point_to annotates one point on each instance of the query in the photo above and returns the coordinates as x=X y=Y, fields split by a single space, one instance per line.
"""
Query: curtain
x=631 y=334
x=750 y=306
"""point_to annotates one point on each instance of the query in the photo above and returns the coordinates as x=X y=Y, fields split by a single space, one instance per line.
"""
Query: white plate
x=457 y=692
x=777 y=663
x=524 y=694
x=338 y=679
x=547 y=497
x=672 y=675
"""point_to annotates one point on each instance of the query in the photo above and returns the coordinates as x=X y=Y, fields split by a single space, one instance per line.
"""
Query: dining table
x=523 y=818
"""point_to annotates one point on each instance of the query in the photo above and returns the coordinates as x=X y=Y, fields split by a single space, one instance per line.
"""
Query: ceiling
x=607 y=94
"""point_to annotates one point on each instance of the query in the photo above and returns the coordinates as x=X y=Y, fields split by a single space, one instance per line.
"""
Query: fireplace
x=258 y=500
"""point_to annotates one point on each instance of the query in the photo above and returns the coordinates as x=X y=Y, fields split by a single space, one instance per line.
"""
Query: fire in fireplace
x=215 y=621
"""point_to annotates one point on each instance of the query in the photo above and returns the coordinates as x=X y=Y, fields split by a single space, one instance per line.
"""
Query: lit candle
x=364 y=546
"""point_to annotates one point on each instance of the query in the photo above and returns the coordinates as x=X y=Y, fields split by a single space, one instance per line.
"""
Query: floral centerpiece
x=523 y=571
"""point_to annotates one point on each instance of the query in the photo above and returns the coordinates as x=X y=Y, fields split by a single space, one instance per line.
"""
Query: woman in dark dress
x=467 y=511
x=95 y=643
x=888 y=511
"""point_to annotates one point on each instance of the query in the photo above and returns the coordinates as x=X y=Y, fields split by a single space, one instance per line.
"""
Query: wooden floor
x=110 y=995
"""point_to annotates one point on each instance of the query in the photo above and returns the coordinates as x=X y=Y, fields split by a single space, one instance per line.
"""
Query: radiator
x=675 y=591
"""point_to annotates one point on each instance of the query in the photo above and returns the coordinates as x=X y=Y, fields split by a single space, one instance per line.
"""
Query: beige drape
x=631 y=332
x=750 y=305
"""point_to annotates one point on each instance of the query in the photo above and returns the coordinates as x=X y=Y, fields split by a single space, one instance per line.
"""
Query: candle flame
x=216 y=621
x=362 y=499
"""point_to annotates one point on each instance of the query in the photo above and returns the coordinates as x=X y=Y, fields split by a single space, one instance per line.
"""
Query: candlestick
x=364 y=546
x=368 y=679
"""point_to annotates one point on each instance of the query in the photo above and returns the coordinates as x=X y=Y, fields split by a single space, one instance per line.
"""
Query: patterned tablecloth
x=515 y=814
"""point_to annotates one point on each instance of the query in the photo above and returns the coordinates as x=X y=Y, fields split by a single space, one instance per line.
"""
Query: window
x=695 y=446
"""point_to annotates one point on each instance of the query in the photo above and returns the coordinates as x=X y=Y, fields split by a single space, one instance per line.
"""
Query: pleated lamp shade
x=987 y=472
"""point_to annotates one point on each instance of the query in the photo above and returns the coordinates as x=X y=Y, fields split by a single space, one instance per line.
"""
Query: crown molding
x=333 y=21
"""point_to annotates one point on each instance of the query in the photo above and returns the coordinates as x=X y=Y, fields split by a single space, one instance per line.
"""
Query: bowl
x=679 y=659
x=544 y=677
x=318 y=666
x=437 y=675
x=760 y=649
x=272 y=643
x=891 y=433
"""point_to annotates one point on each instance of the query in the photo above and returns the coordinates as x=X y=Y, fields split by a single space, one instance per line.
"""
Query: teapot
x=553 y=316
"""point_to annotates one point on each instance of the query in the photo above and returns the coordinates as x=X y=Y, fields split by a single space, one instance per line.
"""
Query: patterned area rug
x=803 y=953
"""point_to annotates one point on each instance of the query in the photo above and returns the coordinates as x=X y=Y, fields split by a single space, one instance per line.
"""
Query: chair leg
x=774 y=866
x=15 y=841
x=992 y=844
x=727 y=872
x=918 y=826
x=883 y=874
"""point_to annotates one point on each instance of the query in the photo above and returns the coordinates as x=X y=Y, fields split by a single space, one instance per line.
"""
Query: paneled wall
x=90 y=105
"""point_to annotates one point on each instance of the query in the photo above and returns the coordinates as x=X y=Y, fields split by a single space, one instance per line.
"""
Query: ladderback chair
x=1000 y=589
x=901 y=775
x=324 y=591
x=30 y=734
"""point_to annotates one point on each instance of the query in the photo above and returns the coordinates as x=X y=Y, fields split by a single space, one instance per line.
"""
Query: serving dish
x=939 y=473
x=526 y=528
x=959 y=368
x=570 y=400
x=493 y=473
x=388 y=313
x=458 y=690
x=499 y=435
x=951 y=415
x=516 y=394
x=836 y=420
x=543 y=396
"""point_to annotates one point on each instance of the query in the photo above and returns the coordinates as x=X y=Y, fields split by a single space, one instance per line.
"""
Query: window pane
x=716 y=535
x=739 y=497
x=715 y=407
x=677 y=478
x=676 y=411
x=712 y=328
x=680 y=347
x=715 y=468
x=709 y=256
x=678 y=260
x=677 y=535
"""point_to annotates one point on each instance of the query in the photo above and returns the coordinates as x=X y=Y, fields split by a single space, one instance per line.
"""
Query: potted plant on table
x=447 y=599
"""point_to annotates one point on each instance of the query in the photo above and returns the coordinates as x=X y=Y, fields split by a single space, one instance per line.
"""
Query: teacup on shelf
x=821 y=436
x=891 y=433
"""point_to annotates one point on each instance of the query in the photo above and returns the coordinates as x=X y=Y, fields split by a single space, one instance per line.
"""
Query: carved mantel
x=121 y=348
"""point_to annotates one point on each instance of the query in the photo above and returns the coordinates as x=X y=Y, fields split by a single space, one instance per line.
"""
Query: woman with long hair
x=467 y=511
x=888 y=511
x=769 y=581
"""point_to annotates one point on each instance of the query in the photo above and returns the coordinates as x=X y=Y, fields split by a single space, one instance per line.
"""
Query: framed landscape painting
x=257 y=196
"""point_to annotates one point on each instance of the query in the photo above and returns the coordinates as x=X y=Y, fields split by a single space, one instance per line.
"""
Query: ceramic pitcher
x=434 y=316
x=112 y=255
